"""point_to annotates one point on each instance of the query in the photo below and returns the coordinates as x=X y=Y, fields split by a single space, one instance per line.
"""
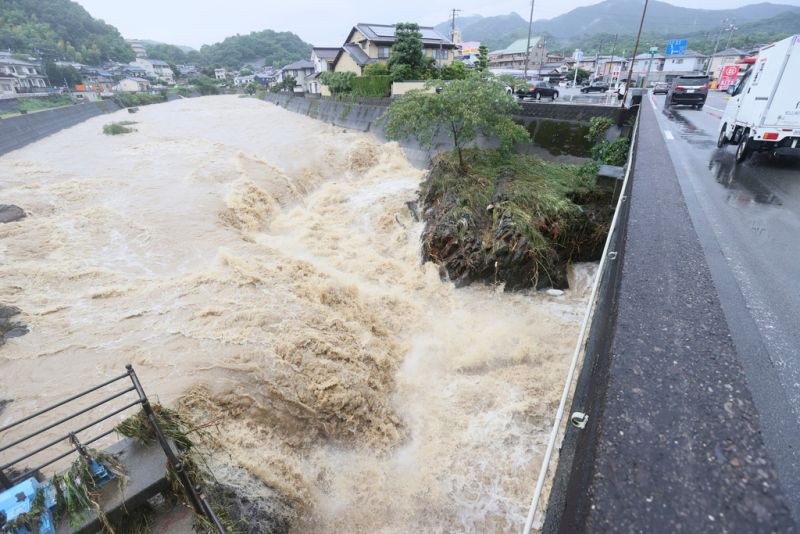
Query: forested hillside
x=59 y=29
x=275 y=48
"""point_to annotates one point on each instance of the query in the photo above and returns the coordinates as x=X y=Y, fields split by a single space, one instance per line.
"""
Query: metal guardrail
x=194 y=492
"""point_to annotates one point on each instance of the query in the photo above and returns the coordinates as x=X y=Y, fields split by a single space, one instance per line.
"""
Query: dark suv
x=595 y=87
x=689 y=89
x=537 y=90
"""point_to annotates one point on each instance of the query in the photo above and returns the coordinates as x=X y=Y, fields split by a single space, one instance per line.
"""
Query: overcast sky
x=319 y=22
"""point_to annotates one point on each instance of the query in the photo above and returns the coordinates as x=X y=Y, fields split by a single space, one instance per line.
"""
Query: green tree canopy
x=59 y=29
x=483 y=57
x=454 y=71
x=338 y=82
x=406 y=59
x=376 y=69
x=463 y=109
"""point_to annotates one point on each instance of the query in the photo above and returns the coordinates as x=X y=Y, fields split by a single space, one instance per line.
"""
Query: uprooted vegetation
x=118 y=128
x=513 y=219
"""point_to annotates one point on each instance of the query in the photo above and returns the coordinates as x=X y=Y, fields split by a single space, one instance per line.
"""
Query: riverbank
x=269 y=279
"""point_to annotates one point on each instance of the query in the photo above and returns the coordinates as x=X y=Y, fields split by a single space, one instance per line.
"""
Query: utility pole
x=716 y=45
x=528 y=49
x=635 y=50
x=453 y=23
x=613 y=51
x=597 y=59
x=732 y=28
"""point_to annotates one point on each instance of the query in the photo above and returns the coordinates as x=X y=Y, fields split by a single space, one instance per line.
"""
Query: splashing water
x=267 y=263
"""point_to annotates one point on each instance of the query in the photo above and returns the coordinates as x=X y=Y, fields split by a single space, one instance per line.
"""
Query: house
x=138 y=48
x=133 y=71
x=371 y=43
x=155 y=68
x=8 y=85
x=661 y=68
x=188 y=70
x=132 y=85
x=513 y=56
x=322 y=59
x=220 y=74
x=610 y=67
x=298 y=70
x=729 y=56
x=241 y=81
x=22 y=76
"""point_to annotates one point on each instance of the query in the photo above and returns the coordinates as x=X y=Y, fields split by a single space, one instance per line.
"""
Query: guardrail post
x=193 y=493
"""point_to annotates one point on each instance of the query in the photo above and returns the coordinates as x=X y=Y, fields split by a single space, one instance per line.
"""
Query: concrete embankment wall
x=16 y=132
x=559 y=129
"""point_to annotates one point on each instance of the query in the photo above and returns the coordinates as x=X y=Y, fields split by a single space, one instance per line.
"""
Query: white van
x=764 y=112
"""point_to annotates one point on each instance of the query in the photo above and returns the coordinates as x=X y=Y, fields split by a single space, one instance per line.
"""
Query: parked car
x=537 y=90
x=689 y=89
x=661 y=88
x=595 y=87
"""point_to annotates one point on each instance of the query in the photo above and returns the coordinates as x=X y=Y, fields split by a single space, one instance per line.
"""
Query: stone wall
x=16 y=132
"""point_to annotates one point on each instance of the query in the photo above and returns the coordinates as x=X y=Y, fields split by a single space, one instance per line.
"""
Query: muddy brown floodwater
x=270 y=260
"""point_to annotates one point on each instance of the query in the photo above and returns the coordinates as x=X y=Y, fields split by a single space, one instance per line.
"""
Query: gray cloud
x=322 y=23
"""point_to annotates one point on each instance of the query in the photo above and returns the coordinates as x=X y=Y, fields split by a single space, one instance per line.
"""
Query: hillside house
x=220 y=74
x=21 y=76
x=298 y=70
x=513 y=56
x=322 y=59
x=371 y=43
x=132 y=85
x=138 y=48
x=155 y=69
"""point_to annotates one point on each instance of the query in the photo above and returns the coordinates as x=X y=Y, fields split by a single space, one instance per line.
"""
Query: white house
x=220 y=74
x=241 y=81
x=155 y=68
x=322 y=59
x=21 y=76
x=298 y=70
x=132 y=85
x=660 y=68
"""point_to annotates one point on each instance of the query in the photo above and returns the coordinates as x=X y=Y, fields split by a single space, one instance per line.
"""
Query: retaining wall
x=16 y=132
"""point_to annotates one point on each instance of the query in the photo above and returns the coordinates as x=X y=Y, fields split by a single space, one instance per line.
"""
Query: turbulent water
x=267 y=263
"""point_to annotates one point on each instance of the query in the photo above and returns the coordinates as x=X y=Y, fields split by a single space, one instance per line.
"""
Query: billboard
x=728 y=76
x=470 y=47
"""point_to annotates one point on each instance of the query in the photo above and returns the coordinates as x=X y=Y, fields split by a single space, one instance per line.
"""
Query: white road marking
x=715 y=109
x=668 y=135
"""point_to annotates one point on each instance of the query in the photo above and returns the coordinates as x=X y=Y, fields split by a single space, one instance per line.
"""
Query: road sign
x=676 y=47
x=728 y=76
x=653 y=50
x=579 y=55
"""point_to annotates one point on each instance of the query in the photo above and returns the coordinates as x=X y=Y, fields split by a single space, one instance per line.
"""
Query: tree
x=66 y=75
x=582 y=75
x=376 y=69
x=338 y=82
x=205 y=85
x=463 y=108
x=454 y=71
x=483 y=57
x=406 y=59
x=288 y=83
x=252 y=88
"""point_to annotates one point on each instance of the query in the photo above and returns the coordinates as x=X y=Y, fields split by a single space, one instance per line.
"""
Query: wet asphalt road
x=748 y=220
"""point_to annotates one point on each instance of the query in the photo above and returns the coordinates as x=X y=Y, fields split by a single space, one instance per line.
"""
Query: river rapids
x=265 y=266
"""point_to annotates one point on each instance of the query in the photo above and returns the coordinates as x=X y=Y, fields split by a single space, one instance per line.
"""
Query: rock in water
x=10 y=213
x=9 y=328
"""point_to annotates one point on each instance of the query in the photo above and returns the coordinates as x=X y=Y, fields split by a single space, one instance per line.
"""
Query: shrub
x=374 y=86
x=598 y=127
x=338 y=82
x=205 y=85
x=376 y=69
x=128 y=100
x=118 y=128
x=613 y=153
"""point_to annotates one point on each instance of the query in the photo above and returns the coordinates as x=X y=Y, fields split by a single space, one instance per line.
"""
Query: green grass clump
x=127 y=100
x=38 y=104
x=118 y=128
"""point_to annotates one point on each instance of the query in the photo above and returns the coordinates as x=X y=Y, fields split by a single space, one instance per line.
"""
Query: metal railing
x=194 y=491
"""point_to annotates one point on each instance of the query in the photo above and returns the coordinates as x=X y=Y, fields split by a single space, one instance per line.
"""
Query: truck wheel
x=555 y=95
x=722 y=140
x=743 y=150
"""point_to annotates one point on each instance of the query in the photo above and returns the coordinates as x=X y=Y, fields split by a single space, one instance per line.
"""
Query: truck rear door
x=784 y=110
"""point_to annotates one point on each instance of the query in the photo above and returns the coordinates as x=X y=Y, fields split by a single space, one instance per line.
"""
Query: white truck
x=763 y=113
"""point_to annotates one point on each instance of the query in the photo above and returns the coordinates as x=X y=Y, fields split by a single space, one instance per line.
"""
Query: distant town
x=25 y=75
